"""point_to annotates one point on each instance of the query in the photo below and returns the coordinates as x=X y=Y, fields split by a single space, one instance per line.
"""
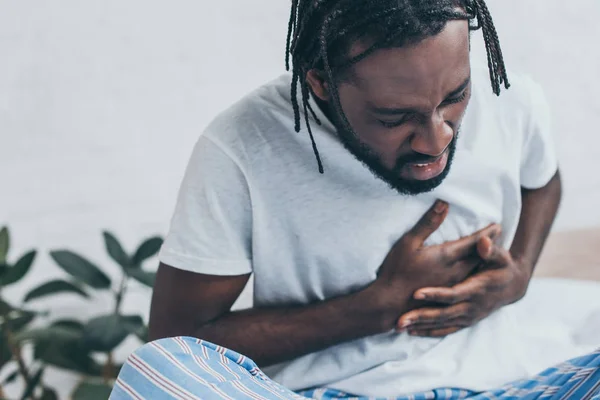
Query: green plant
x=75 y=345
x=13 y=321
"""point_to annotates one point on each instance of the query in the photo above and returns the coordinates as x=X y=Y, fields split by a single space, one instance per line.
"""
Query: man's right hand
x=411 y=265
x=190 y=304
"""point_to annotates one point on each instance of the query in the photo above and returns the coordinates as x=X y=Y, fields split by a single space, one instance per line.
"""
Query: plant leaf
x=104 y=333
x=49 y=394
x=69 y=324
x=19 y=270
x=11 y=377
x=134 y=324
x=69 y=355
x=81 y=269
x=54 y=287
x=4 y=244
x=142 y=334
x=147 y=278
x=5 y=308
x=16 y=320
x=33 y=384
x=52 y=334
x=3 y=270
x=61 y=345
x=148 y=249
x=5 y=353
x=92 y=391
x=115 y=250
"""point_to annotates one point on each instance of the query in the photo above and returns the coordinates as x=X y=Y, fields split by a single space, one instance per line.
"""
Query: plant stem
x=121 y=294
x=16 y=352
x=108 y=372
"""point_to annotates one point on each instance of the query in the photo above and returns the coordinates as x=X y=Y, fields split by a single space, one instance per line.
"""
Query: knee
x=161 y=366
x=164 y=352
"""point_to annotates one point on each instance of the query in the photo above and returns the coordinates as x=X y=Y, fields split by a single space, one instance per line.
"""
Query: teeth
x=422 y=165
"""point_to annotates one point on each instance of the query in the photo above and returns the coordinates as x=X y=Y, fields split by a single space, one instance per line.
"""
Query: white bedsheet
x=558 y=320
x=563 y=308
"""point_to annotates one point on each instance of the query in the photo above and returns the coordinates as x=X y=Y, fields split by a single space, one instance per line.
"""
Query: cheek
x=387 y=143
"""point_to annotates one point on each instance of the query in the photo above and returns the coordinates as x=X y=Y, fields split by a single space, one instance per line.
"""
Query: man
x=384 y=268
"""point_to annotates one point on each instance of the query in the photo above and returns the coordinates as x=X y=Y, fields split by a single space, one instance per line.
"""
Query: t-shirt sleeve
x=211 y=228
x=539 y=161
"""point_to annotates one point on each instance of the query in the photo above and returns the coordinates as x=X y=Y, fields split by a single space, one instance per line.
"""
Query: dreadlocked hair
x=321 y=32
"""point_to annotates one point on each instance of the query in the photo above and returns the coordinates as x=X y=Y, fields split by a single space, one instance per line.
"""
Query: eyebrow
x=395 y=111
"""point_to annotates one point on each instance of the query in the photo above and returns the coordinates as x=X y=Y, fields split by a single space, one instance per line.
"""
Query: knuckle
x=445 y=254
x=452 y=297
x=430 y=223
x=408 y=239
x=470 y=310
x=458 y=313
x=443 y=318
x=486 y=282
x=463 y=323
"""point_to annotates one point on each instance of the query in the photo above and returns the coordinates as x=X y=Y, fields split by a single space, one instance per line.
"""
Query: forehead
x=430 y=68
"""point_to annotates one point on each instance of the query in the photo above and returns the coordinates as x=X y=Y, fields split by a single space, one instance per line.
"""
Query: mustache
x=419 y=158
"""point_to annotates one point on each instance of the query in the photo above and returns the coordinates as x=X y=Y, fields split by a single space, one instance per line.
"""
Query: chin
x=407 y=187
x=415 y=187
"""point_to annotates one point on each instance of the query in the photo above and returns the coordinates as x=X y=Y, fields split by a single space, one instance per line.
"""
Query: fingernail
x=420 y=296
x=440 y=207
x=406 y=324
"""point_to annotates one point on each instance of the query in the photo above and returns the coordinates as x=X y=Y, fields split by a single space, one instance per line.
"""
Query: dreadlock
x=321 y=32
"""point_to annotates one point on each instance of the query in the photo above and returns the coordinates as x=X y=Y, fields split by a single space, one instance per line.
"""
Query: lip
x=424 y=172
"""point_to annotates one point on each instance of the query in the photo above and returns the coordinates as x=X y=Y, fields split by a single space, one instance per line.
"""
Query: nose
x=432 y=137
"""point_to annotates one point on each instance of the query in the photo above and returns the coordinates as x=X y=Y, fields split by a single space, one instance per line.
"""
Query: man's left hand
x=500 y=282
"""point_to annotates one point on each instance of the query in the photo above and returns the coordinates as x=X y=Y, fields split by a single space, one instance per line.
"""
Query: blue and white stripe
x=191 y=369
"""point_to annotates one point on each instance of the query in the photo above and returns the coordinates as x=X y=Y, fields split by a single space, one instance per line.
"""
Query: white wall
x=101 y=102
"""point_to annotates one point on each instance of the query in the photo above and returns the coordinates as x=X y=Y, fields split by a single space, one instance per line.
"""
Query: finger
x=467 y=246
x=429 y=223
x=466 y=267
x=459 y=293
x=433 y=316
x=492 y=253
x=453 y=323
x=485 y=247
x=436 y=333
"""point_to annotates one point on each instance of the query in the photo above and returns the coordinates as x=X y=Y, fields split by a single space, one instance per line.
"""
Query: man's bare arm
x=189 y=304
x=540 y=207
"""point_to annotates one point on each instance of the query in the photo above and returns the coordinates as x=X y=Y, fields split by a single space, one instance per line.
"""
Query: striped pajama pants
x=191 y=369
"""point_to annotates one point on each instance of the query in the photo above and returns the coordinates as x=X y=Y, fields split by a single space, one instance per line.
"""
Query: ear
x=318 y=84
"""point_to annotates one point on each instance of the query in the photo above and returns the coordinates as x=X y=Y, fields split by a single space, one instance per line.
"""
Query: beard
x=372 y=160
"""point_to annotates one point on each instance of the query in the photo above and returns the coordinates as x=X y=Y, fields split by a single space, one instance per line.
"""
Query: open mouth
x=425 y=171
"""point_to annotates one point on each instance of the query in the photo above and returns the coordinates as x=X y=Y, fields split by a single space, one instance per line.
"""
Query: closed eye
x=407 y=116
x=456 y=100
x=394 y=124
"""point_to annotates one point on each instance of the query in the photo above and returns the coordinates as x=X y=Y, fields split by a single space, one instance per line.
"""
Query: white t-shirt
x=253 y=201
